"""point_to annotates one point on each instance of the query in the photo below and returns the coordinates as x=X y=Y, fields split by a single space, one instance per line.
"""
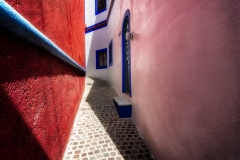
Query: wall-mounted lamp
x=129 y=36
x=119 y=34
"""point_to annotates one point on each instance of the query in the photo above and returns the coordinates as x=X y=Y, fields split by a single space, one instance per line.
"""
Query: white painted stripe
x=11 y=20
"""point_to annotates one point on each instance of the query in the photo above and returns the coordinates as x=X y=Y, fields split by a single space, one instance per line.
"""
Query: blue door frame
x=126 y=70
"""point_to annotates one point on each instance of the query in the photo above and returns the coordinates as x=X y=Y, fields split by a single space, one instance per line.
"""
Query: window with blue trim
x=101 y=58
x=100 y=6
x=110 y=54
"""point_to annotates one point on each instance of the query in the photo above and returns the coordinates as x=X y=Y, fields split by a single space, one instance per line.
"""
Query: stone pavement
x=98 y=133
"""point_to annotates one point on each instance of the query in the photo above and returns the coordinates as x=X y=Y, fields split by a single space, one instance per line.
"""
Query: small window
x=101 y=58
x=110 y=54
x=100 y=6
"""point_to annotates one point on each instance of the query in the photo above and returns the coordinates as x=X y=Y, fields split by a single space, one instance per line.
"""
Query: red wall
x=39 y=93
x=60 y=20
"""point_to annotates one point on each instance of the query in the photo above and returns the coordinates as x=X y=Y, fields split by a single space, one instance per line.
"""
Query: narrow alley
x=98 y=132
x=173 y=66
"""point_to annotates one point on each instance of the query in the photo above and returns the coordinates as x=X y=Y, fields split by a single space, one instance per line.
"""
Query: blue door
x=126 y=58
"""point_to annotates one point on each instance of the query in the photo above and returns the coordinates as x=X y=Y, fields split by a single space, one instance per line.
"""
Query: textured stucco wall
x=39 y=93
x=61 y=21
x=185 y=75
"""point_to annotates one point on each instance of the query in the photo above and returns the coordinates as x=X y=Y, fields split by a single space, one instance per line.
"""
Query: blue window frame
x=101 y=58
x=110 y=50
x=100 y=6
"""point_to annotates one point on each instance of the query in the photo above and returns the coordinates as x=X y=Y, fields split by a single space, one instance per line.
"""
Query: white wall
x=94 y=41
x=90 y=17
x=114 y=28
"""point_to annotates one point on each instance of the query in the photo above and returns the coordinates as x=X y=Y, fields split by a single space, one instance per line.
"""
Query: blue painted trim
x=96 y=8
x=97 y=57
x=126 y=15
x=110 y=10
x=12 y=21
x=96 y=26
x=111 y=43
x=100 y=24
x=123 y=111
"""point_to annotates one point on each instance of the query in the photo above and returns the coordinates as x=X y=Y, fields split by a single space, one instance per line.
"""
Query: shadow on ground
x=122 y=132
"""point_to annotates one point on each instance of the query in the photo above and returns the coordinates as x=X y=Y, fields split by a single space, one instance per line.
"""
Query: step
x=123 y=106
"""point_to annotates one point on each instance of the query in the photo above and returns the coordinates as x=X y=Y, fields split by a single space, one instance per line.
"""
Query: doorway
x=126 y=56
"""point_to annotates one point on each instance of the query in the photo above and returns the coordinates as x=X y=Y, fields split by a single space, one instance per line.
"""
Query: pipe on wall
x=12 y=21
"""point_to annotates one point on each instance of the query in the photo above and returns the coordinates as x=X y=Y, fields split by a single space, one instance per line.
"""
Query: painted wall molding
x=96 y=26
x=110 y=10
x=12 y=21
x=100 y=24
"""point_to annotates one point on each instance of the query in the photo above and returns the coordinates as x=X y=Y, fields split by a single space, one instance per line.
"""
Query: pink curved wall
x=185 y=75
x=39 y=93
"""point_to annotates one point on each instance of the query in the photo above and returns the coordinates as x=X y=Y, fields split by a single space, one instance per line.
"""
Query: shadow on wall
x=38 y=98
x=17 y=140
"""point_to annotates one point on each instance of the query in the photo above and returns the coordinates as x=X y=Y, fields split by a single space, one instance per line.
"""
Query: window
x=101 y=58
x=100 y=6
x=110 y=54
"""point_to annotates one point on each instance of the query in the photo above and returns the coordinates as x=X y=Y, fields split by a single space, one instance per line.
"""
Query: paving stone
x=75 y=156
x=106 y=154
x=113 y=153
x=99 y=156
x=140 y=156
x=98 y=133
x=133 y=156
x=103 y=150
x=75 y=147
x=75 y=143
x=90 y=153
x=92 y=158
x=96 y=151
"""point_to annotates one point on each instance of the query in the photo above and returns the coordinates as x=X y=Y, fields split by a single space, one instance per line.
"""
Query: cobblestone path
x=98 y=133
